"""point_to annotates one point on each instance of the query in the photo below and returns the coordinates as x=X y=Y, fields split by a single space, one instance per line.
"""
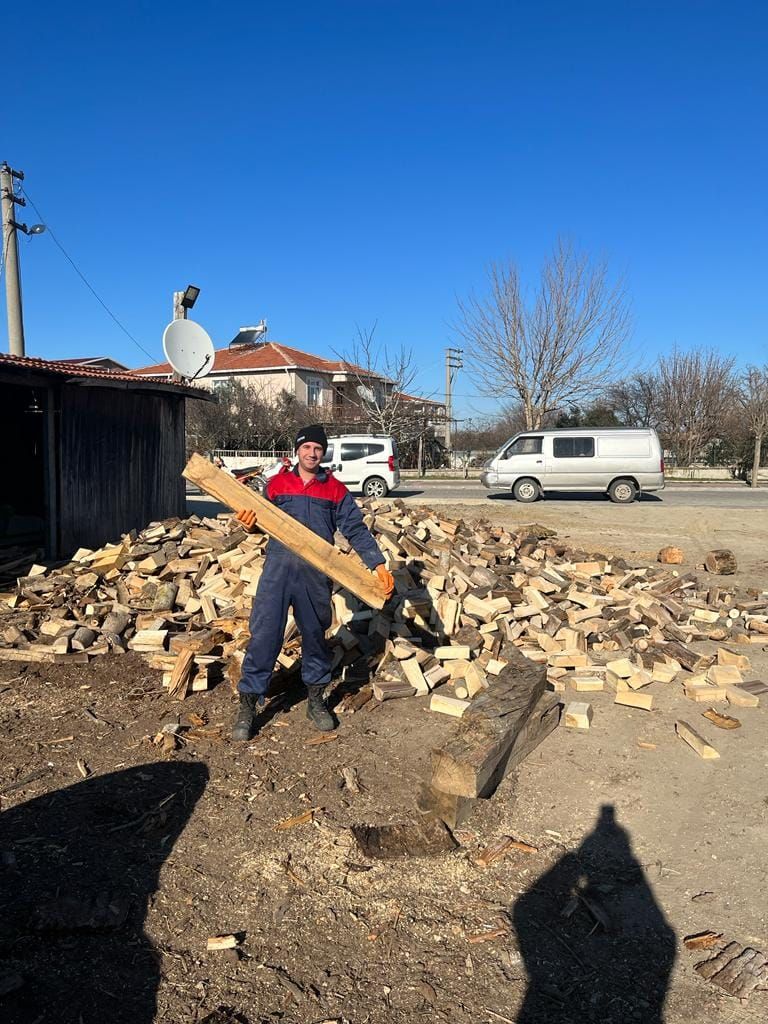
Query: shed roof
x=32 y=366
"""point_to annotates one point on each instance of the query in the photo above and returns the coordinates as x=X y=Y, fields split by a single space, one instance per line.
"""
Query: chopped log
x=383 y=690
x=82 y=638
x=115 y=622
x=415 y=676
x=292 y=534
x=741 y=698
x=671 y=556
x=181 y=675
x=693 y=739
x=726 y=657
x=721 y=561
x=578 y=715
x=692 y=660
x=448 y=705
x=633 y=699
x=165 y=596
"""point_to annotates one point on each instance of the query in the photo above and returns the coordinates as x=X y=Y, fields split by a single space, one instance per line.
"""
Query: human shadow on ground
x=595 y=943
x=78 y=870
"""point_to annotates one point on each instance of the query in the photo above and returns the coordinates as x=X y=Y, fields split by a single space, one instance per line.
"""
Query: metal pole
x=453 y=361
x=448 y=383
x=11 y=265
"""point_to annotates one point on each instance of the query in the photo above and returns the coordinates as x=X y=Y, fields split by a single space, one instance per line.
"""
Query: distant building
x=432 y=411
x=327 y=385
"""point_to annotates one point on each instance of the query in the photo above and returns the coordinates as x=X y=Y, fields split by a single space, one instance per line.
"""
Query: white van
x=364 y=462
x=621 y=462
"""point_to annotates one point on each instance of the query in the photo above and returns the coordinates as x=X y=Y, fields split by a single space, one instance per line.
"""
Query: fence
x=234 y=459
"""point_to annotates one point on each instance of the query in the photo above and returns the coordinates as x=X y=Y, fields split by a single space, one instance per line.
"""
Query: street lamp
x=189 y=297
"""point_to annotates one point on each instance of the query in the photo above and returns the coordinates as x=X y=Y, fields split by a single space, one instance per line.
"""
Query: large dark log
x=454 y=810
x=478 y=754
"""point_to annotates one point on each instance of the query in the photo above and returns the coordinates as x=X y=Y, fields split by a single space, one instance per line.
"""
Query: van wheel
x=623 y=492
x=375 y=487
x=526 y=490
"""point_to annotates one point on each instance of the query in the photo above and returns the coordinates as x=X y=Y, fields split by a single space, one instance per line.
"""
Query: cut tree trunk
x=477 y=756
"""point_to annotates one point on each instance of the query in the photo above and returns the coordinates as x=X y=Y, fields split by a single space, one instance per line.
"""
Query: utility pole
x=11 y=260
x=179 y=311
x=453 y=362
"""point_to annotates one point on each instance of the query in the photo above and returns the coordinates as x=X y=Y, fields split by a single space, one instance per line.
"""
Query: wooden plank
x=693 y=739
x=294 y=535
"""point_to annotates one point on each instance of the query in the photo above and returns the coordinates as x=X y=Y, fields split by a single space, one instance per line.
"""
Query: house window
x=338 y=397
x=314 y=391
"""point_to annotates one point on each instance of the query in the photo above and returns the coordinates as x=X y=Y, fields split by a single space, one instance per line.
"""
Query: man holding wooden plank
x=311 y=495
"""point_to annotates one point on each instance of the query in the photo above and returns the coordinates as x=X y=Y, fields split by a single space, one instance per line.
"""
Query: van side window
x=573 y=447
x=351 y=452
x=327 y=459
x=524 y=446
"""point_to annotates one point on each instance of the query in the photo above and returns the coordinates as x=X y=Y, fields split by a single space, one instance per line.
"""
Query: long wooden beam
x=346 y=570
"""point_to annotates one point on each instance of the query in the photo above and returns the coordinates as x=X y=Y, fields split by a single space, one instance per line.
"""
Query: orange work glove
x=386 y=579
x=247 y=517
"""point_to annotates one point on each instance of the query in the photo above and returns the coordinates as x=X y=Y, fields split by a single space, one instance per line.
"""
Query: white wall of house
x=268 y=385
x=314 y=389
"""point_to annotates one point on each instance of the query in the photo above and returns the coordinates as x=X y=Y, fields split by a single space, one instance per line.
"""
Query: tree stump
x=721 y=561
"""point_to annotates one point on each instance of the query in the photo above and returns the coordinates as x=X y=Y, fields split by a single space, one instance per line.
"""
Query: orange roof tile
x=268 y=356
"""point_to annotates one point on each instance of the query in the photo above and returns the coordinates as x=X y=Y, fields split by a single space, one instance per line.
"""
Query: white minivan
x=364 y=462
x=620 y=462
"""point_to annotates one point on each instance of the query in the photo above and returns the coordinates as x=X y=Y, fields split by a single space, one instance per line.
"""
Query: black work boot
x=243 y=728
x=317 y=709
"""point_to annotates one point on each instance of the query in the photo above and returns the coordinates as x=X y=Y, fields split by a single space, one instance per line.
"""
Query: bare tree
x=244 y=418
x=696 y=391
x=753 y=397
x=563 y=345
x=636 y=400
x=381 y=380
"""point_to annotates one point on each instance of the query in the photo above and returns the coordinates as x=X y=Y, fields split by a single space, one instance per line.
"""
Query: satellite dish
x=188 y=349
x=365 y=393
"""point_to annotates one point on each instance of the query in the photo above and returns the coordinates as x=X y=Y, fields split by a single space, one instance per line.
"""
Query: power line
x=82 y=276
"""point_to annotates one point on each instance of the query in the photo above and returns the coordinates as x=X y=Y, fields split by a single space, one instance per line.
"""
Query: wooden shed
x=88 y=454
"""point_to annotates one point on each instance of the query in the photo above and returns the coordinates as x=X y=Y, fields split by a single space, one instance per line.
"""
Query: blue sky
x=327 y=165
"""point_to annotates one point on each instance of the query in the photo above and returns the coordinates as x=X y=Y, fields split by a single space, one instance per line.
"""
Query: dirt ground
x=114 y=882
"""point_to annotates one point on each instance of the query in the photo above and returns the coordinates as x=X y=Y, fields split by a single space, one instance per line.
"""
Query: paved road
x=680 y=495
x=450 y=492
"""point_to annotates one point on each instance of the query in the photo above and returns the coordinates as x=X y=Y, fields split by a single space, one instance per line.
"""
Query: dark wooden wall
x=121 y=453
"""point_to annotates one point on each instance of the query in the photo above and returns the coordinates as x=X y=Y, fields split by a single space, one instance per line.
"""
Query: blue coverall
x=287 y=581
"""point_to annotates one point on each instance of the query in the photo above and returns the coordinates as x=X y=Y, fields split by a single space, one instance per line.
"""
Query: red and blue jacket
x=324 y=505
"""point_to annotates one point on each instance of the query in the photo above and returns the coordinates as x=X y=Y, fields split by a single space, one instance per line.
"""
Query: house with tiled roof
x=328 y=385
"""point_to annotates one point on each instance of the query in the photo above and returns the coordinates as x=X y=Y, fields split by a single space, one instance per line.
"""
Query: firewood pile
x=467 y=598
